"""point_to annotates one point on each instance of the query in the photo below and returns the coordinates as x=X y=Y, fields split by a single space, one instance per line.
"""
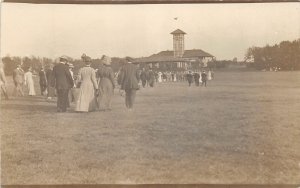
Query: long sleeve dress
x=106 y=86
x=29 y=82
x=86 y=98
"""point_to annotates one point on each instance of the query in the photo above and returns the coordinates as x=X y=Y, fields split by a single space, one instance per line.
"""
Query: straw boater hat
x=129 y=59
x=64 y=58
x=106 y=60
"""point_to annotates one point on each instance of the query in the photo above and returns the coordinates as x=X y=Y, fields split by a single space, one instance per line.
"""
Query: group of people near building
x=148 y=77
x=92 y=89
x=199 y=77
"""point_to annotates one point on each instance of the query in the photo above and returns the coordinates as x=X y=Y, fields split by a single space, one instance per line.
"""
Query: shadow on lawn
x=29 y=104
x=33 y=108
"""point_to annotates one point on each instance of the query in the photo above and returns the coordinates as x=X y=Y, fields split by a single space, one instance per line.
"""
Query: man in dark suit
x=129 y=79
x=143 y=77
x=196 y=78
x=43 y=81
x=203 y=78
x=63 y=82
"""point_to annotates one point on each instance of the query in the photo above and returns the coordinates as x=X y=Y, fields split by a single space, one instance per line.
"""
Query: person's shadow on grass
x=29 y=104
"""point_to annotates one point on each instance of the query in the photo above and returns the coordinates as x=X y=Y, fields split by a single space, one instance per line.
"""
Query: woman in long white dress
x=86 y=100
x=29 y=82
x=200 y=78
x=209 y=75
x=159 y=77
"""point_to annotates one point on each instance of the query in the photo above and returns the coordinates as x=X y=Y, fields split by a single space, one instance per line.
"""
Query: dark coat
x=189 y=77
x=196 y=77
x=143 y=76
x=43 y=78
x=129 y=77
x=203 y=77
x=62 y=77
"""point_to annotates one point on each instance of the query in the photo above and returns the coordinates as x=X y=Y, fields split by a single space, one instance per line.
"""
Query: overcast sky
x=224 y=30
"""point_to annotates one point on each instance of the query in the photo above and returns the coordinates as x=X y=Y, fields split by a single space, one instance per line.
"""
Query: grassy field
x=243 y=128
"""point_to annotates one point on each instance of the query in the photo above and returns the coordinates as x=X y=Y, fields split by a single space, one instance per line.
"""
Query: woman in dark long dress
x=106 y=84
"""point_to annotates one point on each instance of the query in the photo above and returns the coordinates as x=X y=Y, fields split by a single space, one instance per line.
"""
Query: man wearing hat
x=203 y=78
x=63 y=82
x=18 y=77
x=129 y=79
x=43 y=81
x=189 y=77
x=3 y=81
x=196 y=78
x=106 y=84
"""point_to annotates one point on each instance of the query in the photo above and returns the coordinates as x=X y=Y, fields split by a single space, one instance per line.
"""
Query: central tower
x=178 y=42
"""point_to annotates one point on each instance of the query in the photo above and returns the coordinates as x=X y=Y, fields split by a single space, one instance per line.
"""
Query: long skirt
x=30 y=87
x=86 y=98
x=106 y=93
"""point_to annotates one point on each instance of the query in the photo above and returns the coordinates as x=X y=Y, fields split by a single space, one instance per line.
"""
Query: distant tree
x=284 y=56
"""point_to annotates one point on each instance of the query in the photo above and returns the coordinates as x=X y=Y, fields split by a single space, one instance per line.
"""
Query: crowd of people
x=92 y=89
x=149 y=77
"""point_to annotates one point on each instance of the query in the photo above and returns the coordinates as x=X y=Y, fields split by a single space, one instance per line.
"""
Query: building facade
x=178 y=58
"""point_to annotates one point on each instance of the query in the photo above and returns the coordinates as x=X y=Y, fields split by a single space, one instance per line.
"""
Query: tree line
x=282 y=56
x=36 y=63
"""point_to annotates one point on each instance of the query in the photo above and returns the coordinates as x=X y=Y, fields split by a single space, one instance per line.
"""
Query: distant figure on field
x=43 y=81
x=209 y=77
x=196 y=78
x=72 y=90
x=106 y=84
x=159 y=77
x=129 y=82
x=63 y=82
x=151 y=79
x=28 y=80
x=203 y=78
x=3 y=82
x=18 y=77
x=49 y=77
x=86 y=100
x=189 y=77
x=143 y=77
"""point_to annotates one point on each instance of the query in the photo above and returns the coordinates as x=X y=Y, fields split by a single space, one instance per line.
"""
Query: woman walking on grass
x=28 y=80
x=86 y=99
x=106 y=84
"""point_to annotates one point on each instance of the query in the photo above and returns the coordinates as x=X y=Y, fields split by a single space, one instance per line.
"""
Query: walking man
x=18 y=77
x=203 y=78
x=143 y=77
x=129 y=79
x=3 y=82
x=43 y=81
x=63 y=82
x=189 y=77
x=196 y=77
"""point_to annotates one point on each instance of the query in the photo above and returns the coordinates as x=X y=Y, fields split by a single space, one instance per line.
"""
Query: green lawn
x=243 y=128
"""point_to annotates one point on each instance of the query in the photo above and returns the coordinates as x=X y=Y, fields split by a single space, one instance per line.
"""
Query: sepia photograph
x=150 y=94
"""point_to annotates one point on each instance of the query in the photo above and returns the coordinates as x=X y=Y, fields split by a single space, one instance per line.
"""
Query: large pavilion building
x=178 y=58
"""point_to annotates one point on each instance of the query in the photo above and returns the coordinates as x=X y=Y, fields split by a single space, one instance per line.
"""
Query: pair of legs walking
x=18 y=89
x=130 y=97
x=62 y=100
